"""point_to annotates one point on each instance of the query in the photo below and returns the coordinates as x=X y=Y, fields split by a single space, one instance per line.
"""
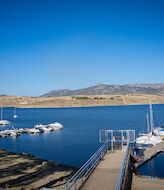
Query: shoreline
x=86 y=106
x=80 y=101
x=25 y=171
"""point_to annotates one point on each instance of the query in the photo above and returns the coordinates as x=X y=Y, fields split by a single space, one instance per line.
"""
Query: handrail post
x=122 y=139
x=112 y=141
x=75 y=186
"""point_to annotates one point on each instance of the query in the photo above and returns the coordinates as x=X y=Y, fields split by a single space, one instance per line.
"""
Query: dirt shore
x=79 y=101
x=22 y=171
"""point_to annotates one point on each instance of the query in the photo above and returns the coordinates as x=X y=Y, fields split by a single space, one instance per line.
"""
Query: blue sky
x=47 y=45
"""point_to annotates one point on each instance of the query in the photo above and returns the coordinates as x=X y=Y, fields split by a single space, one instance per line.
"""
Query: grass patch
x=80 y=98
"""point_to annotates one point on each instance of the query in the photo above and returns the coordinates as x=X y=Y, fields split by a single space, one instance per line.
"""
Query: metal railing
x=117 y=138
x=79 y=177
x=121 y=175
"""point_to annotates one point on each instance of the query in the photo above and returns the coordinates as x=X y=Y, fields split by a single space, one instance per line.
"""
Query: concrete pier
x=145 y=183
x=106 y=173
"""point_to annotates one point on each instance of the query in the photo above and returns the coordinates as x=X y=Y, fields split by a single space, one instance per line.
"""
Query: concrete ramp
x=105 y=175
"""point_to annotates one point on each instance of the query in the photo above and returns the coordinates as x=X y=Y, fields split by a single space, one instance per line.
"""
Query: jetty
x=109 y=167
x=106 y=173
x=150 y=153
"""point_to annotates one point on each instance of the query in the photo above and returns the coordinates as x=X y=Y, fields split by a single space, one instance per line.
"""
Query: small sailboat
x=3 y=122
x=15 y=115
x=149 y=139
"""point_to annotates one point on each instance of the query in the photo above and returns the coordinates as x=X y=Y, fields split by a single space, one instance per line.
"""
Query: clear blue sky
x=47 y=45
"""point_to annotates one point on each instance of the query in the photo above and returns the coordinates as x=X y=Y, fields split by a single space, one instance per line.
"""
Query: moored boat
x=33 y=131
x=3 y=122
x=55 y=126
x=149 y=139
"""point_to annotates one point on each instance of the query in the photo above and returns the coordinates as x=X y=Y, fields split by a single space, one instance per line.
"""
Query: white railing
x=78 y=179
x=121 y=175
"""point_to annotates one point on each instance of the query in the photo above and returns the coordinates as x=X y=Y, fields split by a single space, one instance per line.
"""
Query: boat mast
x=151 y=117
x=147 y=116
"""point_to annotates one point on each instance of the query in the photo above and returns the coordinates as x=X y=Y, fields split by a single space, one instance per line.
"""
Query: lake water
x=80 y=137
x=154 y=167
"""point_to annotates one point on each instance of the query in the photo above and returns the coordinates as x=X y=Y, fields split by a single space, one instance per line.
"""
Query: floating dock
x=150 y=153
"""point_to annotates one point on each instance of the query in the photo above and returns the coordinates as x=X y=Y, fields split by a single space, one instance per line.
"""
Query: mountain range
x=110 y=89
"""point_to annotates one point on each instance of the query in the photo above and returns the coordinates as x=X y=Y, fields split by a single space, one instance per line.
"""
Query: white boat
x=149 y=139
x=2 y=134
x=15 y=115
x=56 y=126
x=13 y=133
x=39 y=126
x=33 y=131
x=9 y=132
x=3 y=122
x=45 y=129
x=21 y=130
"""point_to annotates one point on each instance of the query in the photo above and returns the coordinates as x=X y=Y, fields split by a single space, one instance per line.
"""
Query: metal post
x=122 y=139
x=112 y=140
x=106 y=140
x=75 y=186
x=128 y=137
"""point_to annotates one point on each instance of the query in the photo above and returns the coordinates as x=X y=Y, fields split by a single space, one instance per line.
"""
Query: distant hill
x=111 y=89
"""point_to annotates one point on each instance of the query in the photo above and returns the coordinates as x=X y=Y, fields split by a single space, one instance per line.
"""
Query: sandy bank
x=22 y=171
x=79 y=101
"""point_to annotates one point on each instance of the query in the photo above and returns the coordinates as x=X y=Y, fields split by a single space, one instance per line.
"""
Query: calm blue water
x=154 y=167
x=80 y=137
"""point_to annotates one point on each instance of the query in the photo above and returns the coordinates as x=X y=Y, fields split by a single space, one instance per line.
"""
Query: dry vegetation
x=79 y=101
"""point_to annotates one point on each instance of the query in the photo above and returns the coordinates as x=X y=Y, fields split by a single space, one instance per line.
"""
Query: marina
x=37 y=129
x=82 y=95
x=114 y=146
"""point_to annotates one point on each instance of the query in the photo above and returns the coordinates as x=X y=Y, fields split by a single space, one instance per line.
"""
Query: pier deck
x=106 y=173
